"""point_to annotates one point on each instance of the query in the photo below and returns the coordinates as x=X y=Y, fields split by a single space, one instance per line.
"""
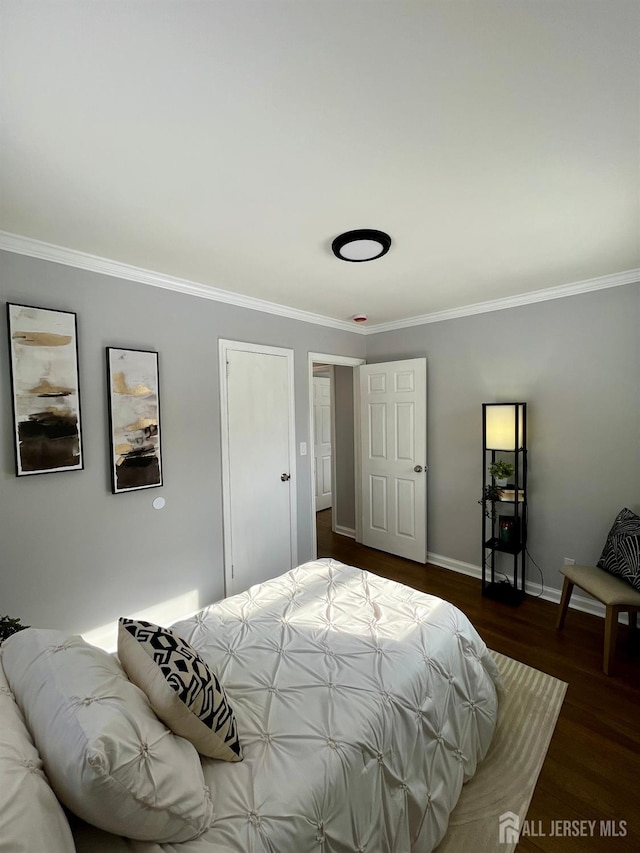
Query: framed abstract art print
x=45 y=389
x=134 y=417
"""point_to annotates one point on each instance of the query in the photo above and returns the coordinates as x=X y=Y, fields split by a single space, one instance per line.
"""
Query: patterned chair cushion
x=182 y=690
x=621 y=553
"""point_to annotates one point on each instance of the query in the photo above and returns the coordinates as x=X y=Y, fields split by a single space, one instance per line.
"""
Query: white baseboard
x=578 y=602
x=345 y=531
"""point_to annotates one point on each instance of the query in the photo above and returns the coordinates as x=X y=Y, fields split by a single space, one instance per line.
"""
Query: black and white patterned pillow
x=182 y=690
x=621 y=553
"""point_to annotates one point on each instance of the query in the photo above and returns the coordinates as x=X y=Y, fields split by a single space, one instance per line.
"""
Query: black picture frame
x=135 y=446
x=45 y=389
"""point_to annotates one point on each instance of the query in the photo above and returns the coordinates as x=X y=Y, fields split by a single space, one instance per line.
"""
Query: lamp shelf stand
x=504 y=535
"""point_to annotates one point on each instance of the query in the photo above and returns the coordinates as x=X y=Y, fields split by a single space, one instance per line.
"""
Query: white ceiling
x=227 y=143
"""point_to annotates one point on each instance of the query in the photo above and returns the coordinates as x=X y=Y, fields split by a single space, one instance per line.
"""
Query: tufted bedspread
x=362 y=707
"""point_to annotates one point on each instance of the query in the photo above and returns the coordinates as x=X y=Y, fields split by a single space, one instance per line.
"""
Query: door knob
x=418 y=469
x=285 y=477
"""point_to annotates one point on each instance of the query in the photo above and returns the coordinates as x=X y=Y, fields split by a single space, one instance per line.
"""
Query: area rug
x=494 y=803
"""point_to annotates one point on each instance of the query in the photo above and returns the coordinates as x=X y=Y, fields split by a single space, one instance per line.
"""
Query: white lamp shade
x=501 y=427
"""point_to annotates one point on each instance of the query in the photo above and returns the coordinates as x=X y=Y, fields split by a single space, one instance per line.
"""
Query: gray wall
x=75 y=556
x=576 y=362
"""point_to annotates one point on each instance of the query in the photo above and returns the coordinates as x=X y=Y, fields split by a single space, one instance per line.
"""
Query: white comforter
x=362 y=707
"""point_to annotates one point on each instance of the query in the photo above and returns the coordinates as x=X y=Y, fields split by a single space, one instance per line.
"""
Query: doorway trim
x=223 y=347
x=344 y=361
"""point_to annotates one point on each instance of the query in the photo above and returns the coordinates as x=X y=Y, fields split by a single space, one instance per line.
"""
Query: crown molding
x=71 y=257
x=533 y=296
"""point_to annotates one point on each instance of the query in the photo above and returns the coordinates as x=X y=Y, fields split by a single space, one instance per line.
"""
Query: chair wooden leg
x=610 y=631
x=567 y=589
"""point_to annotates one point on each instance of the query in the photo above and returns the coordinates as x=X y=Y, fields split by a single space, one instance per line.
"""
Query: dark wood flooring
x=592 y=768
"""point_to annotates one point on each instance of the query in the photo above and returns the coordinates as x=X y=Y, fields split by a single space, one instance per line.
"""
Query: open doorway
x=379 y=452
x=323 y=449
x=323 y=436
x=332 y=443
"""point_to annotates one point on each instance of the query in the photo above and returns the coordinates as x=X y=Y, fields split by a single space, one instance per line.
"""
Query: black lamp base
x=504 y=592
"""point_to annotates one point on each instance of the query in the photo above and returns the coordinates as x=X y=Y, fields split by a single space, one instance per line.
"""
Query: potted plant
x=9 y=626
x=491 y=494
x=501 y=471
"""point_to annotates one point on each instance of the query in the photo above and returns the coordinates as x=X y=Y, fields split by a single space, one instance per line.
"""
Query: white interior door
x=258 y=460
x=322 y=441
x=393 y=424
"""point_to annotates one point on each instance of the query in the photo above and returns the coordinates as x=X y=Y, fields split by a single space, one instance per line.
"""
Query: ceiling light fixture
x=363 y=244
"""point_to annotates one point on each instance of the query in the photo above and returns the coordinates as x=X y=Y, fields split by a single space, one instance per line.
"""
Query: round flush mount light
x=363 y=244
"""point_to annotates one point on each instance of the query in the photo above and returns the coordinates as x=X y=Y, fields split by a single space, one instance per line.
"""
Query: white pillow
x=31 y=818
x=182 y=689
x=108 y=757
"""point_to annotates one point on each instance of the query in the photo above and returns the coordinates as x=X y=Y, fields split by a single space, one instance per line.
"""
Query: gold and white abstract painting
x=46 y=392
x=134 y=405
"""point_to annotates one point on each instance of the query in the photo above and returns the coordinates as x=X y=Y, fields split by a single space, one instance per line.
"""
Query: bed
x=362 y=707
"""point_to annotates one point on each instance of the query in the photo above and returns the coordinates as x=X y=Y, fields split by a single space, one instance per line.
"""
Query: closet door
x=258 y=463
x=322 y=441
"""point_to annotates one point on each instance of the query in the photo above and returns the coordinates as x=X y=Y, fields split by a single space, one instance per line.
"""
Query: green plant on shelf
x=501 y=470
x=9 y=626
x=491 y=494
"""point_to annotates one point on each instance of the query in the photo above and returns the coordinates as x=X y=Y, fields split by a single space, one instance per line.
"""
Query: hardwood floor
x=592 y=768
